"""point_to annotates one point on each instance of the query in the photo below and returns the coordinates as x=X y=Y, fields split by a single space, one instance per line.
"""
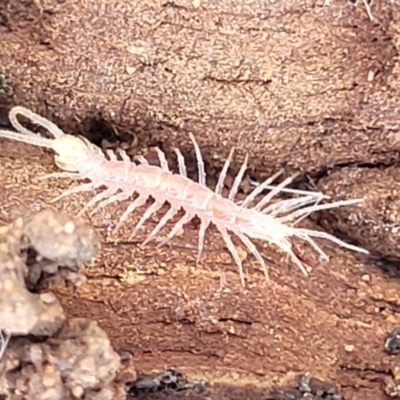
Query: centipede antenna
x=36 y=119
x=35 y=140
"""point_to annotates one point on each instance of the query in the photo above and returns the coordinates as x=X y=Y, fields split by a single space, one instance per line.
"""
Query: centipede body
x=124 y=179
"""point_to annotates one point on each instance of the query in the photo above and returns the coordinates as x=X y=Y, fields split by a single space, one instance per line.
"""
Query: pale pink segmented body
x=122 y=179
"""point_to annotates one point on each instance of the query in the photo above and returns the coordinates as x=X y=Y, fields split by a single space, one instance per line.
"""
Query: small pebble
x=69 y=228
x=366 y=278
x=349 y=348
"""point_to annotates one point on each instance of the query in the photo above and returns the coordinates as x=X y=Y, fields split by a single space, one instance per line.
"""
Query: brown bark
x=295 y=84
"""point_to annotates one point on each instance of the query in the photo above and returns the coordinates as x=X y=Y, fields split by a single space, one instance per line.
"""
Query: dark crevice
x=235 y=320
x=238 y=81
x=378 y=371
x=325 y=171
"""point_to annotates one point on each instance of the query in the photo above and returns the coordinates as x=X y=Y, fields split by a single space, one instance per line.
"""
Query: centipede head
x=70 y=151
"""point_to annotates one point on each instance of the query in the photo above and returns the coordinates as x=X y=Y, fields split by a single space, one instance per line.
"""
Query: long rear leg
x=317 y=207
x=305 y=233
x=314 y=245
x=260 y=189
x=304 y=216
x=232 y=249
x=286 y=206
x=274 y=192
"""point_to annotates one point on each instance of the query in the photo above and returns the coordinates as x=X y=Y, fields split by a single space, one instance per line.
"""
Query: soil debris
x=392 y=343
x=48 y=356
x=168 y=381
x=77 y=362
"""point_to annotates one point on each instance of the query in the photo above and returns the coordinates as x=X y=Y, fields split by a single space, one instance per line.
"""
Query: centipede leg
x=249 y=199
x=238 y=179
x=86 y=187
x=57 y=175
x=138 y=202
x=178 y=226
x=291 y=252
x=163 y=159
x=148 y=213
x=202 y=232
x=303 y=260
x=5 y=336
x=169 y=215
x=112 y=199
x=235 y=255
x=99 y=197
x=314 y=245
x=222 y=175
x=249 y=244
x=200 y=162
x=181 y=163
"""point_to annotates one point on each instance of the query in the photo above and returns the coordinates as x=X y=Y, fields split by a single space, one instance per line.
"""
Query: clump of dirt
x=48 y=356
x=54 y=247
x=78 y=362
x=172 y=382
